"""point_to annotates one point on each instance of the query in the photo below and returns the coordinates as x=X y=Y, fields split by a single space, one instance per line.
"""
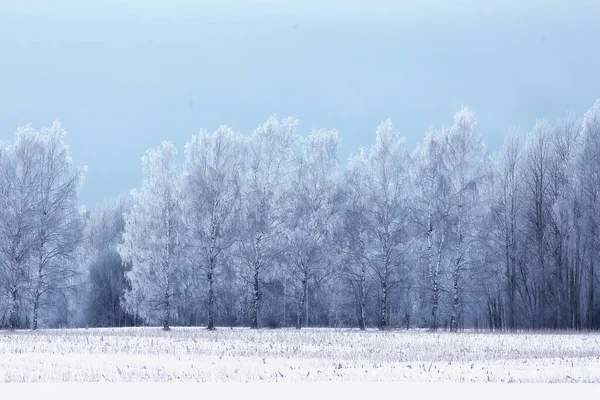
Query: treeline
x=269 y=230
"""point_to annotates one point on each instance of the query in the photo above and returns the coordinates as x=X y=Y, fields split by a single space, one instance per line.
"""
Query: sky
x=122 y=76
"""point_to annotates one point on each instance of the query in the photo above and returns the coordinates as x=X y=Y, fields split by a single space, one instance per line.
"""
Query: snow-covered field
x=243 y=355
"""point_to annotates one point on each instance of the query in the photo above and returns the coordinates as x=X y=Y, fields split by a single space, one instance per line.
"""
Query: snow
x=288 y=355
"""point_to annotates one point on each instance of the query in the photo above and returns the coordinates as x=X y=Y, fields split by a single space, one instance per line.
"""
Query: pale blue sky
x=124 y=75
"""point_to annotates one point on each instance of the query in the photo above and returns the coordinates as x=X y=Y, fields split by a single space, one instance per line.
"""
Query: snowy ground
x=243 y=355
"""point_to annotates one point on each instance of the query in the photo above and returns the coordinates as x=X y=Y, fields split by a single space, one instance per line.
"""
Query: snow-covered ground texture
x=244 y=355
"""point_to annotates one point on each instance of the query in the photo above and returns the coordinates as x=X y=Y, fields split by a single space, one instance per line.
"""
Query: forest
x=270 y=229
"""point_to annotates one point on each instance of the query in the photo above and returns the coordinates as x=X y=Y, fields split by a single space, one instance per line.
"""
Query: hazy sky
x=124 y=75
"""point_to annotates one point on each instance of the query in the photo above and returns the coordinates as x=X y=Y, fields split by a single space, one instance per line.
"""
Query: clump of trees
x=270 y=230
x=41 y=228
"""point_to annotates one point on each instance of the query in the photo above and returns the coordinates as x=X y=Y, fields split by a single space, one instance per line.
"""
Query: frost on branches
x=212 y=203
x=152 y=241
x=270 y=229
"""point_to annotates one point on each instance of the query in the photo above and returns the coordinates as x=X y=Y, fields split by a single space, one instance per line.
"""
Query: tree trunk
x=575 y=289
x=299 y=315
x=284 y=302
x=303 y=300
x=571 y=293
x=434 y=267
x=591 y=307
x=37 y=294
x=255 y=285
x=512 y=294
x=435 y=298
x=383 y=320
x=363 y=298
x=166 y=311
x=255 y=296
x=12 y=315
x=212 y=261
x=542 y=297
x=435 y=295
x=511 y=275
x=36 y=306
x=455 y=301
x=211 y=297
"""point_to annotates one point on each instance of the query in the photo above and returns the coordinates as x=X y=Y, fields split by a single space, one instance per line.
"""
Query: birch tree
x=213 y=168
x=271 y=152
x=467 y=169
x=18 y=189
x=561 y=223
x=588 y=182
x=58 y=219
x=353 y=235
x=312 y=213
x=152 y=240
x=508 y=212
x=385 y=186
x=432 y=209
x=537 y=198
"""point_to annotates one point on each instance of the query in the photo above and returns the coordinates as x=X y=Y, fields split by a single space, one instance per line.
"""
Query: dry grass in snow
x=242 y=355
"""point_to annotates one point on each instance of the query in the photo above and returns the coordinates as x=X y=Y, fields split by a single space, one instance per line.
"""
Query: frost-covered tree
x=564 y=136
x=312 y=214
x=352 y=235
x=385 y=185
x=256 y=228
x=18 y=190
x=537 y=199
x=507 y=210
x=431 y=205
x=467 y=169
x=106 y=282
x=211 y=201
x=41 y=222
x=152 y=241
x=587 y=178
x=58 y=219
x=271 y=152
x=449 y=169
x=541 y=228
